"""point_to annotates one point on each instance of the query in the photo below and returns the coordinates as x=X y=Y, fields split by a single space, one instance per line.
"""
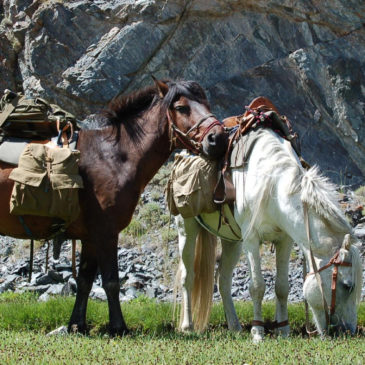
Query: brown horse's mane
x=123 y=109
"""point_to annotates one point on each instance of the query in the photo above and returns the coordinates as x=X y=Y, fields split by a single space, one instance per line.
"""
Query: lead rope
x=31 y=260
x=47 y=254
x=314 y=265
x=307 y=324
x=73 y=258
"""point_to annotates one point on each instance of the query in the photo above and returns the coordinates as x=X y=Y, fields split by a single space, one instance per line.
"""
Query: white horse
x=278 y=201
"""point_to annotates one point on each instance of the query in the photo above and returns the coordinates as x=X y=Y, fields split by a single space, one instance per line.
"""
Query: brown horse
x=136 y=136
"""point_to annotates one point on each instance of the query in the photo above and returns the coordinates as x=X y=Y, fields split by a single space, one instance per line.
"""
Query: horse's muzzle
x=339 y=328
x=215 y=143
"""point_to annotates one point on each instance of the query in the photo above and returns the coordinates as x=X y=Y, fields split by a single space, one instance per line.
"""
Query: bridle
x=184 y=138
x=335 y=261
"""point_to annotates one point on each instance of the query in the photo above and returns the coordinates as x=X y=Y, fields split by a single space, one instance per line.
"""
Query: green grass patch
x=24 y=322
x=22 y=311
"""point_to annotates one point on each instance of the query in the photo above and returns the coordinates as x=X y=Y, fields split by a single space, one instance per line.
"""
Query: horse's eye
x=348 y=285
x=184 y=109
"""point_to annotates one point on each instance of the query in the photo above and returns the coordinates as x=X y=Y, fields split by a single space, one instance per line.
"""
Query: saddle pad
x=229 y=229
x=11 y=148
x=243 y=148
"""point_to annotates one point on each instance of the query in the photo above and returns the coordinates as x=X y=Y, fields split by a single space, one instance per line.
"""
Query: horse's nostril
x=211 y=138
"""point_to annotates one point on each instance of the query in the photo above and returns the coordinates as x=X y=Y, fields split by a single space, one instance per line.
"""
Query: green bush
x=150 y=214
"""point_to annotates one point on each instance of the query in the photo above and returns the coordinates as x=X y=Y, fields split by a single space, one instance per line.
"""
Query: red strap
x=213 y=124
x=333 y=289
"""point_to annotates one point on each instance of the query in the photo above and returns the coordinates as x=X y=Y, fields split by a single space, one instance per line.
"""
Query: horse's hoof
x=77 y=329
x=236 y=328
x=187 y=329
x=283 y=331
x=118 y=332
x=257 y=333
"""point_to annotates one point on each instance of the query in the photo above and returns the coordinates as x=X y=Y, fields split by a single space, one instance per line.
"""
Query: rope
x=73 y=258
x=31 y=260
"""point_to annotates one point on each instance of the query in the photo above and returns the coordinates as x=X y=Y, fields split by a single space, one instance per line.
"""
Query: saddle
x=260 y=113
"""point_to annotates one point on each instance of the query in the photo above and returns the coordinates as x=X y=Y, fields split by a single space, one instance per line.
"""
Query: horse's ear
x=346 y=244
x=161 y=87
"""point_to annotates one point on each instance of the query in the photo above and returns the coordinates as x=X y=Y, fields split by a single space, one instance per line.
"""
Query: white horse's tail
x=202 y=293
x=203 y=286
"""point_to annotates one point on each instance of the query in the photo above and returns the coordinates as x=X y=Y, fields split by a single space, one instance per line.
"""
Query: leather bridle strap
x=185 y=139
x=336 y=263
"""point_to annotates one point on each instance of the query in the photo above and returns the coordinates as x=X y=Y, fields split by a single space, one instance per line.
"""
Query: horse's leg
x=187 y=230
x=230 y=255
x=85 y=278
x=283 y=249
x=257 y=286
x=108 y=264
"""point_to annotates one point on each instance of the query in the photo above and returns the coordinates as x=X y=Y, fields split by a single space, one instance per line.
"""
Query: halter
x=184 y=138
x=329 y=310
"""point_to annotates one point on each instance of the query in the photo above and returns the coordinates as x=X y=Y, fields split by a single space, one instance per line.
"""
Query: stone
x=98 y=293
x=73 y=284
x=44 y=279
x=55 y=276
x=60 y=331
x=67 y=289
x=45 y=297
x=55 y=289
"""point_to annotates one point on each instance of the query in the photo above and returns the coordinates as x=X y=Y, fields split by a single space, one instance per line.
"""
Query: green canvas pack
x=190 y=188
x=33 y=118
x=46 y=183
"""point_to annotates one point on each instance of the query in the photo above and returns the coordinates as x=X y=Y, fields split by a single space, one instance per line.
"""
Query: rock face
x=307 y=56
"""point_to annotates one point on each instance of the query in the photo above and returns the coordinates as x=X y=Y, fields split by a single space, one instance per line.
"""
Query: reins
x=329 y=310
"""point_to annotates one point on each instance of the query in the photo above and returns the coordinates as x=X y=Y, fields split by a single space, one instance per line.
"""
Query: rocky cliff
x=308 y=56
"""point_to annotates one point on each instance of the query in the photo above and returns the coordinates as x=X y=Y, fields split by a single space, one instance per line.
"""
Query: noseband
x=187 y=141
x=329 y=310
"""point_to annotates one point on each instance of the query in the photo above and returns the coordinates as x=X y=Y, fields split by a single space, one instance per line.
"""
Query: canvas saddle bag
x=189 y=191
x=33 y=118
x=46 y=183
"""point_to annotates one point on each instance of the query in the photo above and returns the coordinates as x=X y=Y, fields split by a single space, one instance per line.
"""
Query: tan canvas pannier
x=190 y=188
x=46 y=183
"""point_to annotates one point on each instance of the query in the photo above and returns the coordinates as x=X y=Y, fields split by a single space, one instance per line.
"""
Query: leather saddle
x=260 y=110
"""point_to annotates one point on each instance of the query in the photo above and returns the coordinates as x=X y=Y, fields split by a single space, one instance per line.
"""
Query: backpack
x=33 y=118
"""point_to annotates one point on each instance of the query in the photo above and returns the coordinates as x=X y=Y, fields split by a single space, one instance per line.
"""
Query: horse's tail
x=202 y=294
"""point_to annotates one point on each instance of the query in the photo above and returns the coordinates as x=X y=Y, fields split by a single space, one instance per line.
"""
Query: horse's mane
x=322 y=196
x=123 y=109
x=315 y=189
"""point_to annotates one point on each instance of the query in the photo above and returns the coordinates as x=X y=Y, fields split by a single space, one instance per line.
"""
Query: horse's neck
x=142 y=154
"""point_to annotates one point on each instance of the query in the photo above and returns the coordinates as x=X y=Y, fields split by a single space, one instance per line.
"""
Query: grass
x=24 y=322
